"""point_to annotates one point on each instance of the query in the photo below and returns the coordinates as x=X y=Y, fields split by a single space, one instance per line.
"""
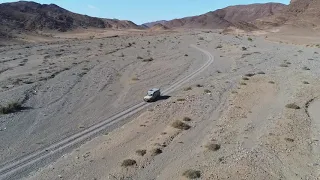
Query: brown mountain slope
x=158 y=27
x=31 y=16
x=230 y=16
x=299 y=13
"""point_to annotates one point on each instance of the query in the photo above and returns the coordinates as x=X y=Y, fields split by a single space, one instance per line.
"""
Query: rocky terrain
x=229 y=16
x=299 y=14
x=233 y=106
x=246 y=116
x=18 y=17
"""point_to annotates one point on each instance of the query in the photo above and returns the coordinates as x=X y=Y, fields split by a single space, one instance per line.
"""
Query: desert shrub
x=186 y=55
x=148 y=60
x=245 y=78
x=192 y=174
x=292 y=106
x=206 y=91
x=156 y=151
x=244 y=48
x=213 y=147
x=250 y=74
x=289 y=139
x=306 y=68
x=141 y=152
x=219 y=47
x=181 y=99
x=271 y=82
x=243 y=83
x=201 y=38
x=250 y=39
x=128 y=162
x=139 y=57
x=187 y=89
x=261 y=72
x=135 y=79
x=187 y=119
x=180 y=125
x=11 y=108
x=305 y=82
x=199 y=85
x=284 y=65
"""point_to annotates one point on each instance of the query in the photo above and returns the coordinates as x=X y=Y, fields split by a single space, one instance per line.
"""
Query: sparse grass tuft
x=186 y=119
x=250 y=74
x=289 y=139
x=141 y=152
x=180 y=125
x=181 y=99
x=219 y=47
x=192 y=174
x=148 y=60
x=156 y=151
x=10 y=108
x=213 y=147
x=306 y=68
x=135 y=79
x=292 y=106
x=207 y=91
x=128 y=162
x=284 y=65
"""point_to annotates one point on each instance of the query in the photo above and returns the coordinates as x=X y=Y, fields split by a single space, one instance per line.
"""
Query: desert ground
x=253 y=113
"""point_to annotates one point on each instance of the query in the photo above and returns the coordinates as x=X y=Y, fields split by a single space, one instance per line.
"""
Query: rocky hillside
x=229 y=16
x=158 y=27
x=299 y=13
x=31 y=16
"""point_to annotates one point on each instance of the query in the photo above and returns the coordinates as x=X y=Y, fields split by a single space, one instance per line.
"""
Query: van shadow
x=161 y=98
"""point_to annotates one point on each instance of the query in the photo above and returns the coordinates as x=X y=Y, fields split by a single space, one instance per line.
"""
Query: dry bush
x=284 y=65
x=306 y=68
x=192 y=174
x=141 y=152
x=180 y=125
x=245 y=78
x=292 y=106
x=187 y=119
x=156 y=151
x=250 y=74
x=187 y=89
x=148 y=60
x=181 y=99
x=213 y=147
x=11 y=108
x=271 y=82
x=206 y=91
x=129 y=162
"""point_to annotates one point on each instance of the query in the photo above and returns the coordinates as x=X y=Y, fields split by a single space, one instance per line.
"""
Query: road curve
x=16 y=166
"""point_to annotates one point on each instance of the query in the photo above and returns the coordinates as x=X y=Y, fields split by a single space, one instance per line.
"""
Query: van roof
x=154 y=89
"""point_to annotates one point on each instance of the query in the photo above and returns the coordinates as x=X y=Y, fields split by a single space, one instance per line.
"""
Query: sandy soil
x=238 y=105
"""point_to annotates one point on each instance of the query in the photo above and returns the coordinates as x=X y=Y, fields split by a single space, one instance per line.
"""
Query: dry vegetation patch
x=180 y=125
x=192 y=174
